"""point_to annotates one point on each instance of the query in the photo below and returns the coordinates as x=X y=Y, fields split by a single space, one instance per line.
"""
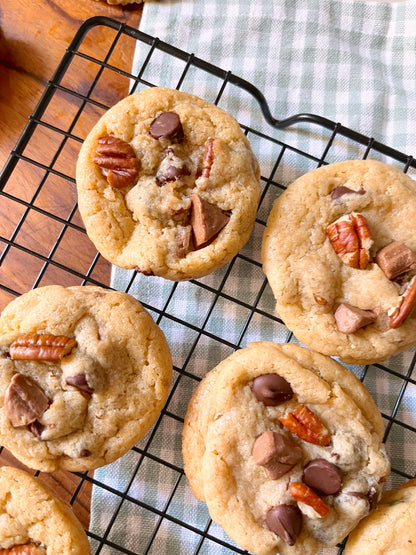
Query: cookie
x=84 y=373
x=168 y=185
x=339 y=251
x=390 y=528
x=285 y=447
x=33 y=520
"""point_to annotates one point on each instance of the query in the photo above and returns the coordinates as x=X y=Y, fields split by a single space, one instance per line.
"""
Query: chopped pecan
x=118 y=161
x=24 y=401
x=24 y=549
x=406 y=305
x=352 y=239
x=304 y=494
x=207 y=220
x=350 y=319
x=396 y=259
x=305 y=424
x=320 y=300
x=208 y=159
x=41 y=346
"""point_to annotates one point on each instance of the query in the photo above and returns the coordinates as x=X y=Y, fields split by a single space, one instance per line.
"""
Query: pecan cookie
x=339 y=252
x=168 y=185
x=35 y=522
x=84 y=372
x=268 y=447
x=390 y=529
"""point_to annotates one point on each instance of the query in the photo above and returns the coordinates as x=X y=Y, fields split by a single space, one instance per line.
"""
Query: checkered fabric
x=350 y=61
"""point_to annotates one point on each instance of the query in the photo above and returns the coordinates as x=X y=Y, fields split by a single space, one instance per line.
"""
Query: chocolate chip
x=340 y=191
x=80 y=382
x=85 y=453
x=285 y=521
x=322 y=476
x=24 y=401
x=207 y=220
x=271 y=389
x=277 y=453
x=167 y=125
x=171 y=168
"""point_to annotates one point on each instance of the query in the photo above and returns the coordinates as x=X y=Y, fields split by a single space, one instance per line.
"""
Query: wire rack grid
x=39 y=194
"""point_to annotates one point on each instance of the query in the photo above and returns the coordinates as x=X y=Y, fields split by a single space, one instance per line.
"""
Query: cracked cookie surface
x=83 y=408
x=186 y=204
x=36 y=520
x=339 y=252
x=253 y=468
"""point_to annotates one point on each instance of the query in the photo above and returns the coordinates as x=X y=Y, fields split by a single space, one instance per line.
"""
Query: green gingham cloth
x=350 y=61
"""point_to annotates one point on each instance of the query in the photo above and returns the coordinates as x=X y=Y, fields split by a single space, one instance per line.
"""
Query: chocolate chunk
x=80 y=382
x=271 y=389
x=350 y=318
x=24 y=401
x=36 y=428
x=372 y=497
x=322 y=476
x=342 y=190
x=184 y=240
x=207 y=220
x=396 y=259
x=171 y=168
x=167 y=125
x=285 y=521
x=277 y=453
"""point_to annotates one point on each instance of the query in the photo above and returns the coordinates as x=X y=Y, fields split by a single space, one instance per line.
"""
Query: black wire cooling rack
x=169 y=518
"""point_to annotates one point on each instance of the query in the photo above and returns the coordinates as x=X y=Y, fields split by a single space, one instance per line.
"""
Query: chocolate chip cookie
x=168 y=185
x=339 y=252
x=34 y=521
x=267 y=445
x=84 y=372
x=390 y=529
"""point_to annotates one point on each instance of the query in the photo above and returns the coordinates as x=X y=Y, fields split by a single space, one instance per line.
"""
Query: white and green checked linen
x=353 y=62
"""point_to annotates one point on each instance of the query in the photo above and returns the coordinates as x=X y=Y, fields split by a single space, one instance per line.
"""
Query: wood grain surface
x=34 y=35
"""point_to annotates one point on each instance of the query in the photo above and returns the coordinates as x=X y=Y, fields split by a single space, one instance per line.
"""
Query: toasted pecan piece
x=304 y=494
x=307 y=425
x=118 y=161
x=351 y=239
x=41 y=346
x=406 y=305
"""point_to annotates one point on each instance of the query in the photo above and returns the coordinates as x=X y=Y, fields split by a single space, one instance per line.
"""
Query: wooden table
x=33 y=37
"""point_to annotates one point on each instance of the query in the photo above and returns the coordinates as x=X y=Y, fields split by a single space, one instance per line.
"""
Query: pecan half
x=24 y=549
x=41 y=346
x=406 y=305
x=305 y=424
x=117 y=160
x=352 y=239
x=304 y=494
x=208 y=159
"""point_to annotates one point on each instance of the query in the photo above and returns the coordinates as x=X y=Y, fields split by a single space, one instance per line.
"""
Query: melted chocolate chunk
x=167 y=125
x=36 y=428
x=285 y=521
x=80 y=382
x=271 y=389
x=322 y=476
x=24 y=400
x=342 y=190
